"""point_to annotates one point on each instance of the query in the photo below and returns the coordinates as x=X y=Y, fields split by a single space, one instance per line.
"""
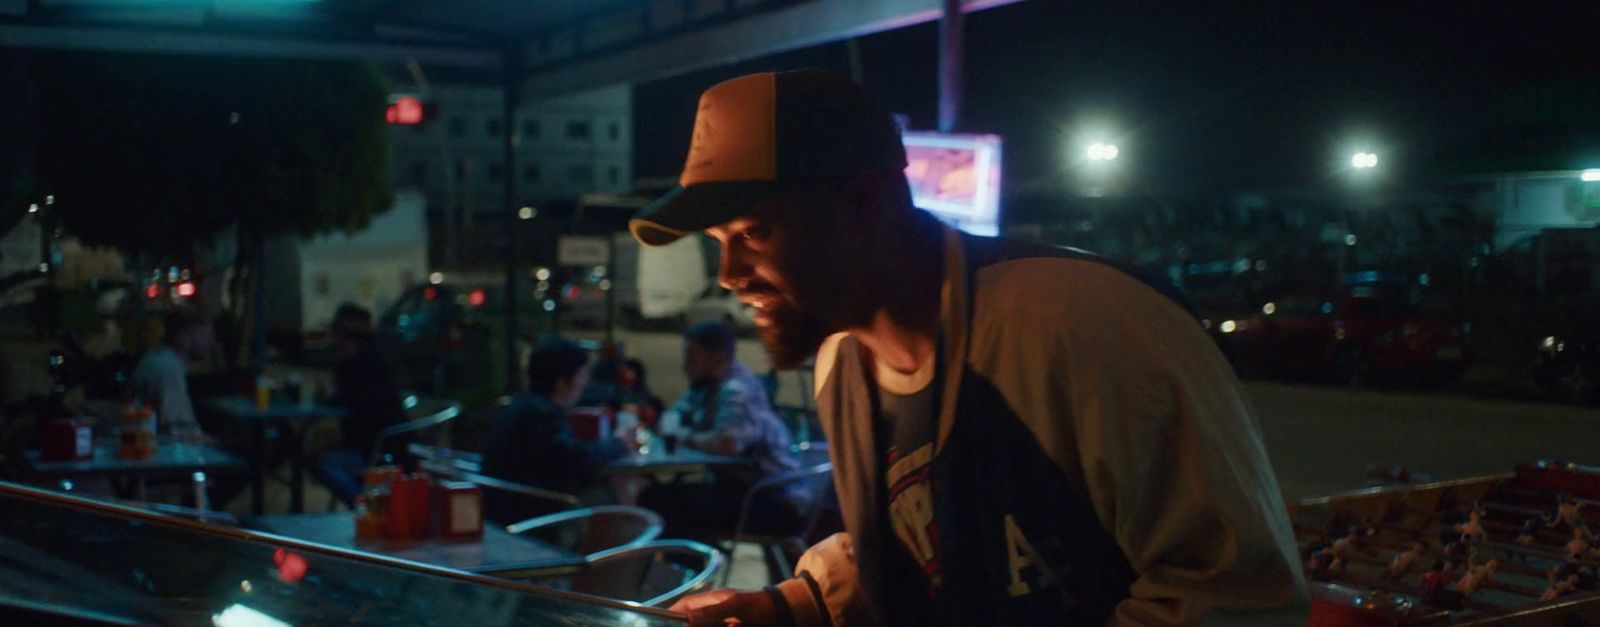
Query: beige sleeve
x=1139 y=407
x=825 y=589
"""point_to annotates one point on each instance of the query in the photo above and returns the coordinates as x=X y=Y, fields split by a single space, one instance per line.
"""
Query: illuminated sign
x=957 y=178
x=404 y=110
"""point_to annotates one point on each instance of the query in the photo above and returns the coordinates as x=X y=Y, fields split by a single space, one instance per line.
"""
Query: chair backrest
x=653 y=574
x=428 y=413
x=464 y=461
x=597 y=529
x=447 y=469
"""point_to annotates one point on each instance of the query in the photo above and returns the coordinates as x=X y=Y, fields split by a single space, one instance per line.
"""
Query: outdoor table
x=498 y=552
x=171 y=458
x=655 y=460
x=243 y=410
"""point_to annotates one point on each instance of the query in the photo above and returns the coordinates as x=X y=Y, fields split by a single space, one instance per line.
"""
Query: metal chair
x=593 y=530
x=652 y=574
x=465 y=461
x=447 y=469
x=447 y=411
x=816 y=470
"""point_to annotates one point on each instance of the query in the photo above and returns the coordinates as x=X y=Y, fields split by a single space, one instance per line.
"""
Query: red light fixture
x=291 y=566
x=186 y=289
x=477 y=297
x=430 y=293
x=406 y=110
x=152 y=291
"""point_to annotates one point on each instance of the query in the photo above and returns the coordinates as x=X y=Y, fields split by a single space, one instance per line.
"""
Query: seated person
x=364 y=386
x=161 y=378
x=532 y=443
x=726 y=412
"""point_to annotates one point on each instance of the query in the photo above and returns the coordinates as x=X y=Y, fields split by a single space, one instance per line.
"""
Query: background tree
x=155 y=155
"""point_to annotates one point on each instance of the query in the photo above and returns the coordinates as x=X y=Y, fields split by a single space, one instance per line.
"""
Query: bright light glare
x=1102 y=152
x=543 y=274
x=1590 y=175
x=240 y=616
x=1350 y=240
x=526 y=213
x=436 y=278
x=1364 y=160
x=1269 y=308
x=34 y=208
x=1229 y=326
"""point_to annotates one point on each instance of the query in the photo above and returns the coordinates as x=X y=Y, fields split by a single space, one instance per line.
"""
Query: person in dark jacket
x=532 y=443
x=1019 y=434
x=364 y=386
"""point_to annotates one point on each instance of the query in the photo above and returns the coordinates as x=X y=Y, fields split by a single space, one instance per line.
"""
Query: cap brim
x=697 y=207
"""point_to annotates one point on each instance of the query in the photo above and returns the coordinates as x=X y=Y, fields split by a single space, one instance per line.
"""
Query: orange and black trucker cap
x=756 y=133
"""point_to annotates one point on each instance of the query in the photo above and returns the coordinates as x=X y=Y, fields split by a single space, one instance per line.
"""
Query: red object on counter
x=460 y=510
x=65 y=440
x=421 y=507
x=589 y=423
x=408 y=510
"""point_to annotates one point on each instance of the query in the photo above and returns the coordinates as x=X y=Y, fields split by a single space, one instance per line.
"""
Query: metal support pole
x=511 y=85
x=950 y=66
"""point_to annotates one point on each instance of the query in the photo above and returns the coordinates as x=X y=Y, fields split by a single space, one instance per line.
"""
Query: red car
x=1356 y=337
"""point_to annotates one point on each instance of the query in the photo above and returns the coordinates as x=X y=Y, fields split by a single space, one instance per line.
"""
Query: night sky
x=1215 y=99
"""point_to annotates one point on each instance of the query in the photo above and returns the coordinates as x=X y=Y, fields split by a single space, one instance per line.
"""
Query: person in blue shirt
x=532 y=443
x=726 y=412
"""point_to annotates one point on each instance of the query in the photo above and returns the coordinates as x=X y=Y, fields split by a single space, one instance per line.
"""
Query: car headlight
x=1548 y=345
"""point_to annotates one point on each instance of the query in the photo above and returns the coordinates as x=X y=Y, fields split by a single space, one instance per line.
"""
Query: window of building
x=491 y=127
x=530 y=128
x=530 y=173
x=578 y=129
x=581 y=174
x=458 y=126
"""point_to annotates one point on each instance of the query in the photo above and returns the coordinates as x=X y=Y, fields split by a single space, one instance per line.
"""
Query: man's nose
x=733 y=272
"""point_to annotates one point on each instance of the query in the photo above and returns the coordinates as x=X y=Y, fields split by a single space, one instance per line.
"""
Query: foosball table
x=1515 y=549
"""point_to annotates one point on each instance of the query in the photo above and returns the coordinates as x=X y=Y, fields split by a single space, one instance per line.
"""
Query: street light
x=1590 y=176
x=1364 y=160
x=1102 y=152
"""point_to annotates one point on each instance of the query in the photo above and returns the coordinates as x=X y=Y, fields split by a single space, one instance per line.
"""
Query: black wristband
x=781 y=606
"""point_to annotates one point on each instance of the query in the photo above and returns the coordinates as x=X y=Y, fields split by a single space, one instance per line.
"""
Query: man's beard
x=791 y=335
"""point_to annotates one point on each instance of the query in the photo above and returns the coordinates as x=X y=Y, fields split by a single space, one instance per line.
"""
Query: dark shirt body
x=364 y=385
x=532 y=443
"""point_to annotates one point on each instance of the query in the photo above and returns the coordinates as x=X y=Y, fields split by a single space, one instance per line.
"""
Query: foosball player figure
x=1578 y=547
x=1471 y=531
x=1320 y=564
x=1402 y=562
x=1433 y=581
x=1567 y=512
x=1559 y=587
x=1341 y=549
x=1530 y=527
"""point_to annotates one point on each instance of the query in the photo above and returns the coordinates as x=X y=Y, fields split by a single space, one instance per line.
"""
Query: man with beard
x=726 y=412
x=1020 y=434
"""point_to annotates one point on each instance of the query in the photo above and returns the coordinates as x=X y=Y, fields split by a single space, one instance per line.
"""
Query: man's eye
x=757 y=233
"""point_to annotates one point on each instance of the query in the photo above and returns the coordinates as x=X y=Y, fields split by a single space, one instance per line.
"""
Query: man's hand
x=718 y=607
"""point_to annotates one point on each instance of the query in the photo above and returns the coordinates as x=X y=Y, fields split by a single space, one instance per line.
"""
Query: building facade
x=566 y=147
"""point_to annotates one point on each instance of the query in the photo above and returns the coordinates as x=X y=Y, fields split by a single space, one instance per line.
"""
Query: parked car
x=1359 y=336
x=1567 y=367
x=451 y=333
x=717 y=304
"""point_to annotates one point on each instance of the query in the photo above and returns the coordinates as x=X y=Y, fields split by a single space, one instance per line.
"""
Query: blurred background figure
x=725 y=412
x=532 y=442
x=162 y=377
x=364 y=386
